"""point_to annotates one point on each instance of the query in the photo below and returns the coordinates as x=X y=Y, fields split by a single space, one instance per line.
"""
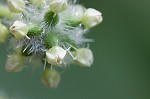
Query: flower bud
x=16 y=6
x=19 y=29
x=91 y=18
x=4 y=11
x=14 y=63
x=55 y=55
x=73 y=18
x=84 y=57
x=51 y=78
x=58 y=5
x=3 y=33
x=38 y=3
x=34 y=30
x=78 y=11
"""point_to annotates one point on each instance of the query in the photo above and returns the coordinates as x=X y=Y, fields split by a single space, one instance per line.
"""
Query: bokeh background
x=121 y=69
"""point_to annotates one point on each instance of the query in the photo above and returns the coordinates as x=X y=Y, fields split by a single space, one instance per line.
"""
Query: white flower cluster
x=51 y=31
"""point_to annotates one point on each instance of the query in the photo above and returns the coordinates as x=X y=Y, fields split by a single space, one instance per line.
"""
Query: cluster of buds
x=51 y=31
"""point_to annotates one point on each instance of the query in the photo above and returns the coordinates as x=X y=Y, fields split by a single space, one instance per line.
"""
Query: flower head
x=51 y=32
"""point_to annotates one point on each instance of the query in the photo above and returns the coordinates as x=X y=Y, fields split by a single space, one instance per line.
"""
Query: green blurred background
x=121 y=68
